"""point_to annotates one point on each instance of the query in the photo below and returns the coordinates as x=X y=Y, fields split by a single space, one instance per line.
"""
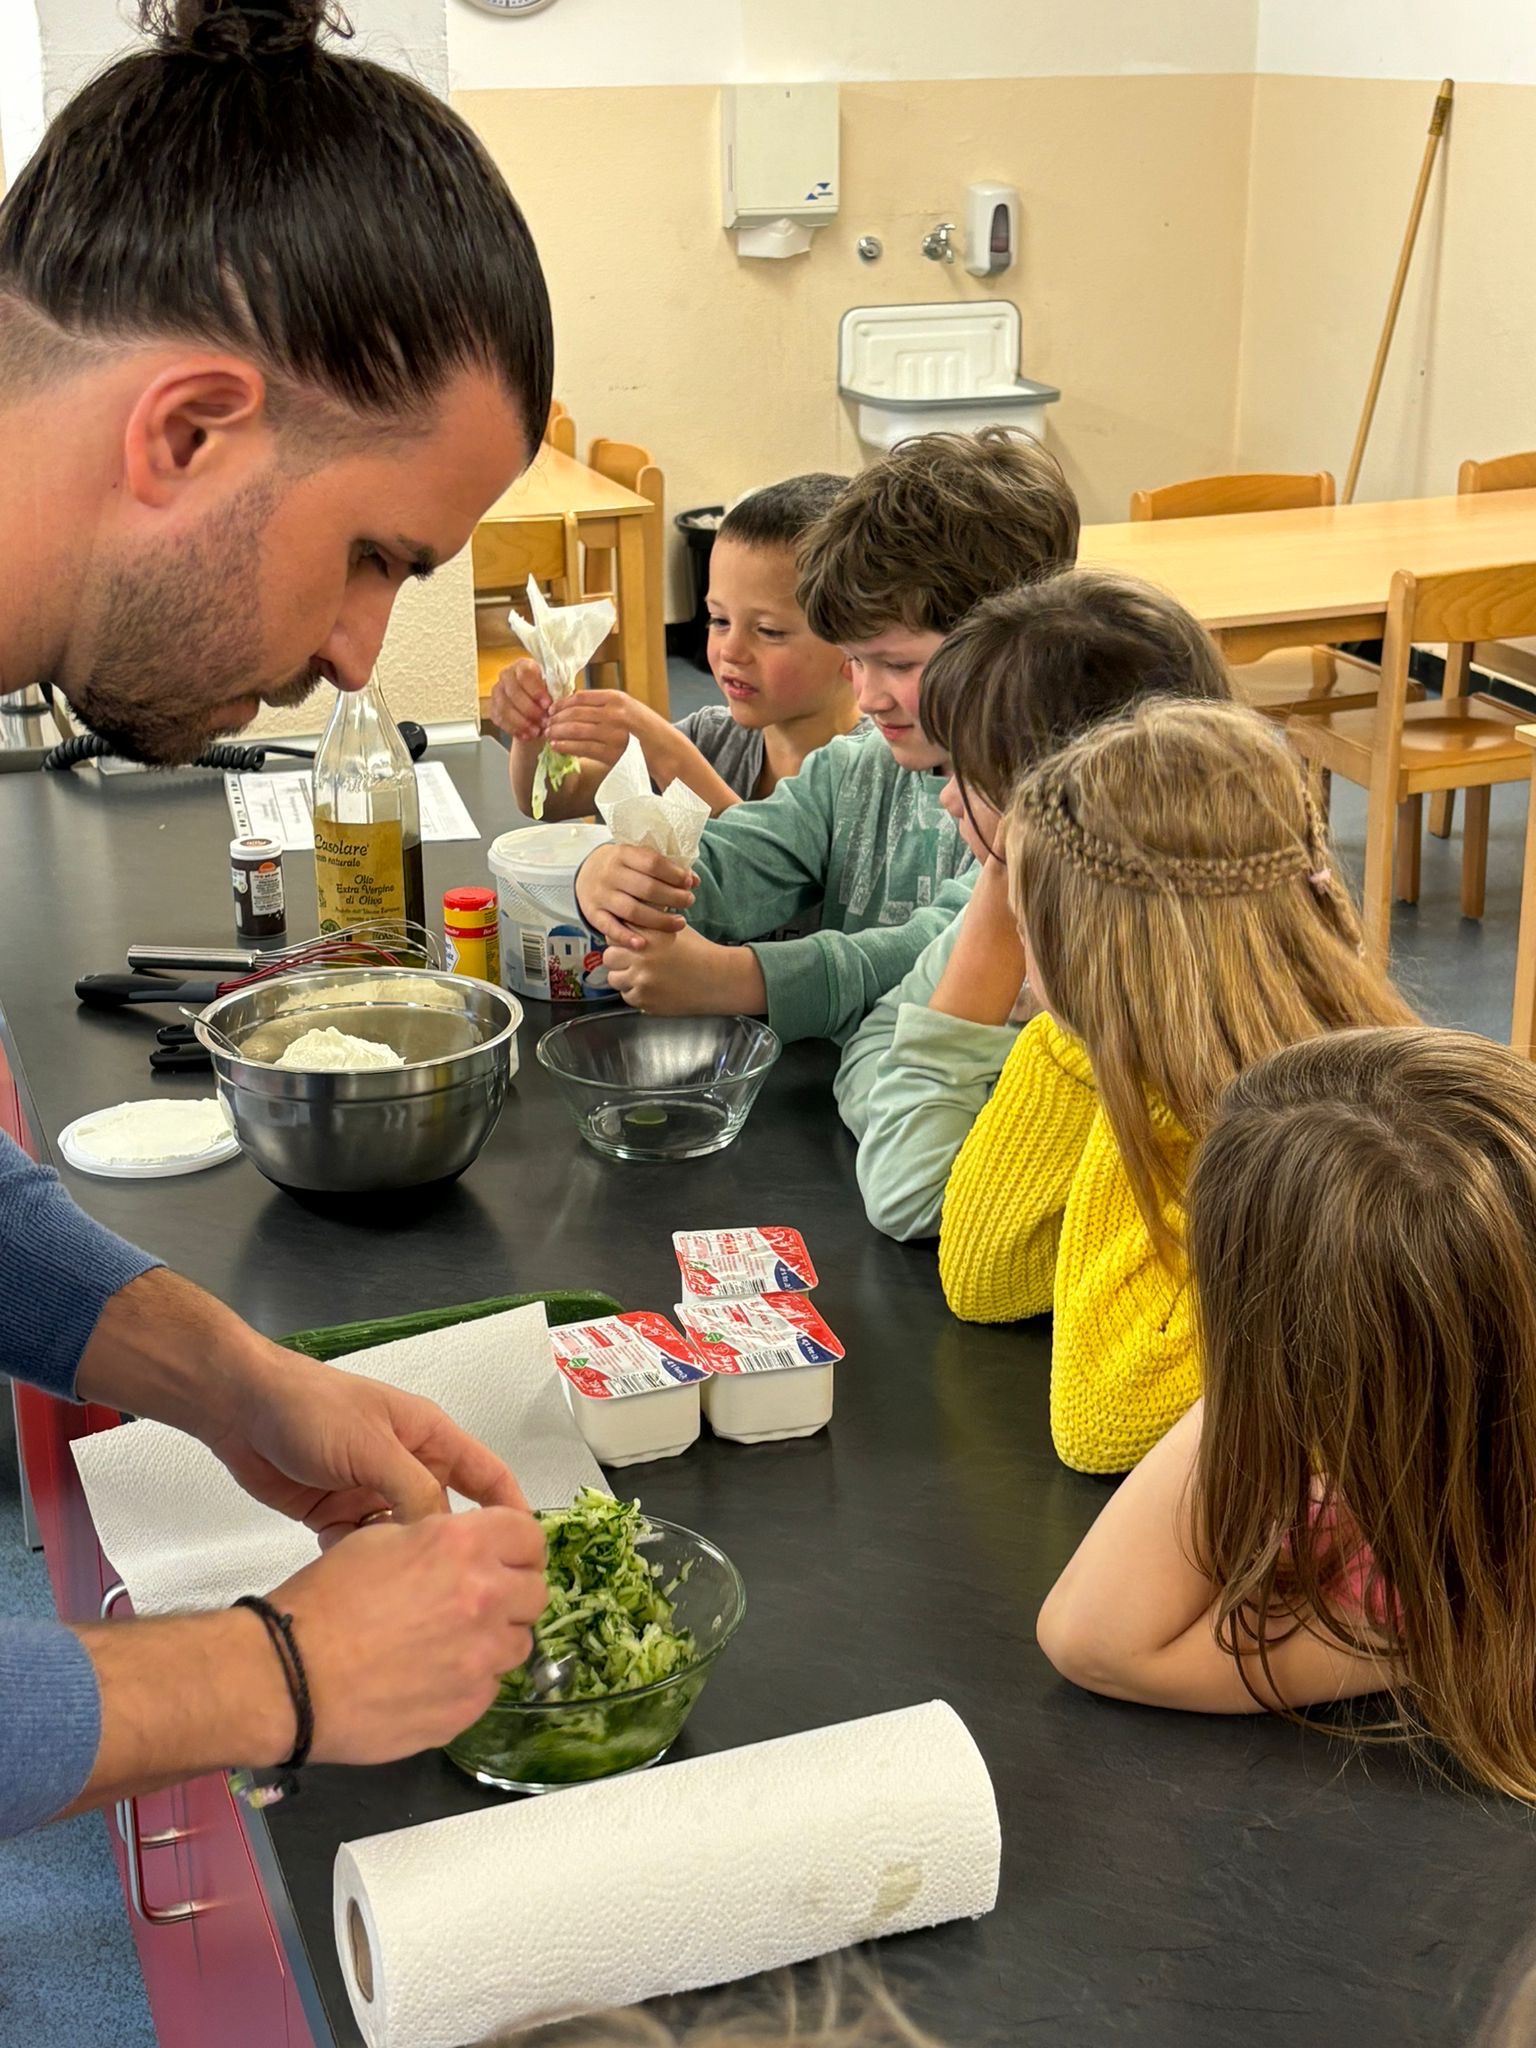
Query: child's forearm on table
x=1134 y=1617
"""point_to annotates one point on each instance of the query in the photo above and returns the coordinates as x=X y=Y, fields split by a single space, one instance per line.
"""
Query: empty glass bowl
x=659 y=1087
x=531 y=1745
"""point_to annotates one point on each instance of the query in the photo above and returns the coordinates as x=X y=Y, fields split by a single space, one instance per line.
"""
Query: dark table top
x=1168 y=1880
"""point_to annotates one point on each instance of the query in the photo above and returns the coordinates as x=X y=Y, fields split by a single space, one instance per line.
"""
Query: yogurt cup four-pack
x=752 y=1354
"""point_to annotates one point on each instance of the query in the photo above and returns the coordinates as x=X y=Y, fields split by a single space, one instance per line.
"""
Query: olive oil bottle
x=367 y=818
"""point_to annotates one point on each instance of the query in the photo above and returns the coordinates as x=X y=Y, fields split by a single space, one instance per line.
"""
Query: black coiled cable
x=228 y=757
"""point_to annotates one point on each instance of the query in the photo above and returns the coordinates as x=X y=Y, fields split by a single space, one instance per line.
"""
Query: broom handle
x=1437 y=122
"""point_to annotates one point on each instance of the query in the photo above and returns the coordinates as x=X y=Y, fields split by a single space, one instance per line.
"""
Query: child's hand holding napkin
x=562 y=639
x=671 y=824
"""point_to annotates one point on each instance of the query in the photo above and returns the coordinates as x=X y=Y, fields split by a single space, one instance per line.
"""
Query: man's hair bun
x=240 y=31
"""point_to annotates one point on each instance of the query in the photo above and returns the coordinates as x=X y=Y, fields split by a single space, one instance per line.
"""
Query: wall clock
x=511 y=9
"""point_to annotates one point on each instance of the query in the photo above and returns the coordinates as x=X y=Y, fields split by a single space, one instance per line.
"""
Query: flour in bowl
x=330 y=1051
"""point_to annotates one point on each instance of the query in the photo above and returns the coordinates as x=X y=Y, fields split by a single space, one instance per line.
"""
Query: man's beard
x=177 y=635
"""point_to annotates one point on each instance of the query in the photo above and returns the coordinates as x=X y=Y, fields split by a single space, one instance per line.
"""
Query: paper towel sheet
x=671 y=824
x=691 y=1874
x=183 y=1534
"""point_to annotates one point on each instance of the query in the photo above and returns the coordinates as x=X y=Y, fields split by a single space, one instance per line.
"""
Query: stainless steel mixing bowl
x=402 y=1127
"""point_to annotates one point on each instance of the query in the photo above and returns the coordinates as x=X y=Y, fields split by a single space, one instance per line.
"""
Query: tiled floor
x=68 y=1973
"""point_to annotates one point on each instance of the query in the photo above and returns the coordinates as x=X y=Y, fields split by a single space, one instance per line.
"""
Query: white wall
x=1483 y=41
x=21 y=85
x=702 y=42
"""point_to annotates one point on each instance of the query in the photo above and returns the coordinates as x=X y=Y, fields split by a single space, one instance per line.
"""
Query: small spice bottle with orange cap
x=470 y=939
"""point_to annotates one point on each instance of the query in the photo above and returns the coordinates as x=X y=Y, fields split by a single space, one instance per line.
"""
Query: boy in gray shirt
x=786 y=692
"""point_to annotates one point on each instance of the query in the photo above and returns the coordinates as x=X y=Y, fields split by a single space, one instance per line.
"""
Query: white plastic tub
x=632 y=1385
x=548 y=951
x=770 y=1365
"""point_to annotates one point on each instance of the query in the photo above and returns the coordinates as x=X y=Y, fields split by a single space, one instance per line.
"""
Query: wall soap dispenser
x=991 y=228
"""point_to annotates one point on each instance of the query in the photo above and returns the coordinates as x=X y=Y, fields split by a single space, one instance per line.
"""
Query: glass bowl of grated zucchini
x=642 y=1610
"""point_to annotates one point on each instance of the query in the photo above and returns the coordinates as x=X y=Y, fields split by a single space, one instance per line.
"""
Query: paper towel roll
x=692 y=1874
x=182 y=1533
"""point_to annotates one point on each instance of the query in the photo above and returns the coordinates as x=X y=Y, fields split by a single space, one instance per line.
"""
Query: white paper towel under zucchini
x=692 y=1874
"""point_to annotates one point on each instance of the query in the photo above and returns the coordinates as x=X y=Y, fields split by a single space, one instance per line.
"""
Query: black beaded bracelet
x=280 y=1628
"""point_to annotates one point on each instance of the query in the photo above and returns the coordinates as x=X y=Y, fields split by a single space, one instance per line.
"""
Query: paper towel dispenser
x=778 y=165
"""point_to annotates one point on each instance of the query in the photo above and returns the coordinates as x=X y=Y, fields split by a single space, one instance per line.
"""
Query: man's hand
x=330 y=1449
x=688 y=976
x=404 y=1633
x=324 y=1446
x=597 y=725
x=625 y=892
x=520 y=702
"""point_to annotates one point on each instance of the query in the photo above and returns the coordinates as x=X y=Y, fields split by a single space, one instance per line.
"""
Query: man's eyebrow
x=420 y=560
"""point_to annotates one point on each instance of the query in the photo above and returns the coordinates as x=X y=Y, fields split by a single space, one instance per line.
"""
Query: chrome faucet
x=939 y=243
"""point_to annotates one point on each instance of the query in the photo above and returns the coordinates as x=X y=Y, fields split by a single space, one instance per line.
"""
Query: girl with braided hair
x=1182 y=918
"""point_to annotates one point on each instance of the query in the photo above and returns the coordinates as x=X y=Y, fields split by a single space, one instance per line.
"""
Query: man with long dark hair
x=273 y=336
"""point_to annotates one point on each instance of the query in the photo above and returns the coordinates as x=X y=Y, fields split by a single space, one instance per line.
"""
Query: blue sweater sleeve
x=50 y=1722
x=58 y=1270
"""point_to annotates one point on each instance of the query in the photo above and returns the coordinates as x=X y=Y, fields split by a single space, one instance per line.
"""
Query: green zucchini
x=339 y=1339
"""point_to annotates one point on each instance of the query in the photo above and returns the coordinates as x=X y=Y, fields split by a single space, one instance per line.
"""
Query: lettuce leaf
x=551 y=771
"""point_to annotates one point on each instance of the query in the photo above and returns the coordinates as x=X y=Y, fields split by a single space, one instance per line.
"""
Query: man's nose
x=351 y=648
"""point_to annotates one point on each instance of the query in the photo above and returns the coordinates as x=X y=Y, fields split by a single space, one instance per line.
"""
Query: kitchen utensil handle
x=136 y=1843
x=179 y=1059
x=197 y=959
x=110 y=991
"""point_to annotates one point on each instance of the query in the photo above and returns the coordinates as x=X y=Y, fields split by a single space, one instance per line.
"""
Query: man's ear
x=201 y=419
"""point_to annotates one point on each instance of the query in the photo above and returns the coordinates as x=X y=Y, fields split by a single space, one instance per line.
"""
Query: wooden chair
x=623 y=462
x=1291 y=678
x=504 y=554
x=1402 y=751
x=560 y=429
x=1506 y=658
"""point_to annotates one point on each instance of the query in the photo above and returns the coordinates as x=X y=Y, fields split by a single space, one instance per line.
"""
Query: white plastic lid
x=151 y=1140
x=546 y=849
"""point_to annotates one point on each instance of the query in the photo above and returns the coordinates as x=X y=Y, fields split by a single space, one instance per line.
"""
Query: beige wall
x=427 y=665
x=1130 y=281
x=1332 y=172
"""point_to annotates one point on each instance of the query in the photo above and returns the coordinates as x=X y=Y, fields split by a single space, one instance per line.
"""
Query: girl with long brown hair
x=1352 y=1506
x=1182 y=918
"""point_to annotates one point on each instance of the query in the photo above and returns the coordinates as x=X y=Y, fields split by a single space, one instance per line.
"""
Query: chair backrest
x=623 y=462
x=505 y=553
x=560 y=429
x=1503 y=473
x=1250 y=491
x=1461 y=608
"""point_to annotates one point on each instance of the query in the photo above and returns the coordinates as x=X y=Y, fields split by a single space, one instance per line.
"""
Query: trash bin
x=698 y=529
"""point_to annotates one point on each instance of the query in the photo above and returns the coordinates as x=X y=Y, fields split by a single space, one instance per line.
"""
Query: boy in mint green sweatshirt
x=1022 y=675
x=858 y=838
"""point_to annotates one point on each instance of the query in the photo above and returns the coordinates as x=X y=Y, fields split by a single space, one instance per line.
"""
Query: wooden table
x=608 y=516
x=1288 y=579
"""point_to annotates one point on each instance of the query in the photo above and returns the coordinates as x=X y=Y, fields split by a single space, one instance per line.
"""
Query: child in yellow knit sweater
x=1182 y=917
